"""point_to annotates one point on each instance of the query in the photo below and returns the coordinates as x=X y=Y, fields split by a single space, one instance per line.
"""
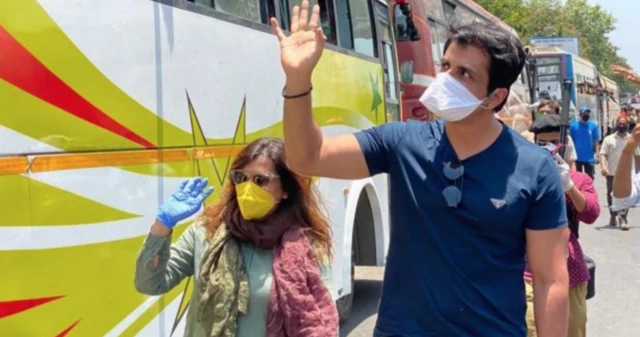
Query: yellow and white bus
x=105 y=106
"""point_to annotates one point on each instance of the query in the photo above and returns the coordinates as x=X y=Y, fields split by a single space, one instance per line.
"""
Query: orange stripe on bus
x=13 y=165
x=57 y=162
x=217 y=151
x=70 y=161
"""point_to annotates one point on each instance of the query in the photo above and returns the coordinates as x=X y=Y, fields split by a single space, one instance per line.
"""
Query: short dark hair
x=545 y=95
x=548 y=123
x=505 y=51
x=549 y=103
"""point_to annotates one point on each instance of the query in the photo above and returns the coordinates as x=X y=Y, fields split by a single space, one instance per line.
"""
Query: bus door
x=387 y=49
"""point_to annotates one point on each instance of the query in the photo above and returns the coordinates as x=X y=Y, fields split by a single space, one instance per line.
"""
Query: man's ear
x=497 y=97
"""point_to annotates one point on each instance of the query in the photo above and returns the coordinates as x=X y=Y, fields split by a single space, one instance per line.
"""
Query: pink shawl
x=299 y=304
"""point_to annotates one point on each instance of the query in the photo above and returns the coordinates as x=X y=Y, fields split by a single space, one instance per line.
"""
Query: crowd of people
x=485 y=223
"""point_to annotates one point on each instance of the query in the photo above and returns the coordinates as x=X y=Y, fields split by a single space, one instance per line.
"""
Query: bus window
x=326 y=16
x=449 y=11
x=362 y=27
x=248 y=9
x=438 y=38
x=355 y=27
x=435 y=9
x=402 y=29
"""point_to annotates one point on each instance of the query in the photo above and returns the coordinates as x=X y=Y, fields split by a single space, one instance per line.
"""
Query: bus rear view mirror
x=406 y=72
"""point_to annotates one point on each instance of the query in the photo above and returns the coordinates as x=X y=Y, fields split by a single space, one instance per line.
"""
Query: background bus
x=554 y=65
x=431 y=18
x=610 y=103
x=108 y=105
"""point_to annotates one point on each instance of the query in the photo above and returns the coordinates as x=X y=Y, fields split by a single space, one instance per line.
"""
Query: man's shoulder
x=414 y=130
x=529 y=156
x=609 y=138
x=526 y=146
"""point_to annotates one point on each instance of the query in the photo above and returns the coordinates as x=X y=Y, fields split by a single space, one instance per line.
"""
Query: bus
x=610 y=100
x=108 y=105
x=554 y=65
x=420 y=59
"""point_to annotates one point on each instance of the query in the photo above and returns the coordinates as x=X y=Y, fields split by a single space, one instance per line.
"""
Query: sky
x=625 y=36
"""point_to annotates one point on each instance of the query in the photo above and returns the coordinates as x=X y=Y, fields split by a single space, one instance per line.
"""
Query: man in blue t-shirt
x=469 y=196
x=586 y=137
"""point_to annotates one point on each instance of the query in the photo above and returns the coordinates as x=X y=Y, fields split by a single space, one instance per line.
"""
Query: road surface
x=612 y=312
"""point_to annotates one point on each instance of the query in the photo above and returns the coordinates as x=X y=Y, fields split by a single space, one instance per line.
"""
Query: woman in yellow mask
x=259 y=256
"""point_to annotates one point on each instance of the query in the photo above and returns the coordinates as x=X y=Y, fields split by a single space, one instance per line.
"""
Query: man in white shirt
x=610 y=153
x=626 y=185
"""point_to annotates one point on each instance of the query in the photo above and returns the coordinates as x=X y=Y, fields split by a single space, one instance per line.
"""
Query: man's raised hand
x=301 y=50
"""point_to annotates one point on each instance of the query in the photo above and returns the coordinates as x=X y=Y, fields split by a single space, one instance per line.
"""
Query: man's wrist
x=629 y=150
x=295 y=85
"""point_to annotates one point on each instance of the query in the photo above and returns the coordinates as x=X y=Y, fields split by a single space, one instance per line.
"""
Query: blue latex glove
x=185 y=202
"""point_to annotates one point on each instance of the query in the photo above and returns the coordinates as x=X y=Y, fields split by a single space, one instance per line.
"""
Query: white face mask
x=449 y=99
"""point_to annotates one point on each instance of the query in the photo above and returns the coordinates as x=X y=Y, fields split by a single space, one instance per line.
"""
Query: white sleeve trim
x=632 y=199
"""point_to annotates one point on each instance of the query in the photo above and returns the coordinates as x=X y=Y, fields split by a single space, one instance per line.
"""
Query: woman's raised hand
x=184 y=202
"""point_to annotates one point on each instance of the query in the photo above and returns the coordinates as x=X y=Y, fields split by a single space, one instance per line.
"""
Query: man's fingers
x=275 y=28
x=295 y=15
x=314 y=23
x=320 y=36
x=303 y=22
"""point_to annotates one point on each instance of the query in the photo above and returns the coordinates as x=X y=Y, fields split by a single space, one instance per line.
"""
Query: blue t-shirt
x=583 y=136
x=458 y=272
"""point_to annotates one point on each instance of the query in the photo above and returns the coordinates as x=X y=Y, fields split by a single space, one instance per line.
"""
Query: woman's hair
x=549 y=103
x=303 y=196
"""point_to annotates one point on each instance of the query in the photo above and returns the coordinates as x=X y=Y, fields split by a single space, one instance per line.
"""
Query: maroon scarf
x=300 y=305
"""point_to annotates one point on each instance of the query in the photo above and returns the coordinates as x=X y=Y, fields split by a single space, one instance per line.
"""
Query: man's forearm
x=603 y=163
x=302 y=136
x=551 y=307
x=622 y=178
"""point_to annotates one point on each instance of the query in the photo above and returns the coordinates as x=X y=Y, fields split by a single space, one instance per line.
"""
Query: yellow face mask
x=254 y=201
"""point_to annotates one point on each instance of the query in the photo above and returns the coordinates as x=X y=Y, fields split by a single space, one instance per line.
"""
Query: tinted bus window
x=326 y=17
x=402 y=33
x=247 y=9
x=361 y=24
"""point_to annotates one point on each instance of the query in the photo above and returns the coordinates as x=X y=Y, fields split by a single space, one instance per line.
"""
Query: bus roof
x=609 y=83
x=548 y=51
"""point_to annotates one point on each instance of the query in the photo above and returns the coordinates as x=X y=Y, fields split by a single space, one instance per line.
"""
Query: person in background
x=547 y=107
x=259 y=256
x=633 y=119
x=586 y=137
x=627 y=112
x=582 y=206
x=469 y=196
x=610 y=153
x=544 y=94
x=626 y=185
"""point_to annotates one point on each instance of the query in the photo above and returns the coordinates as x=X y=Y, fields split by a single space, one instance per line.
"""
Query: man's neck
x=474 y=134
x=622 y=134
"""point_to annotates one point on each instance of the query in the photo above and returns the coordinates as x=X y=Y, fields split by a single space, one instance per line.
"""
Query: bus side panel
x=77 y=257
x=136 y=75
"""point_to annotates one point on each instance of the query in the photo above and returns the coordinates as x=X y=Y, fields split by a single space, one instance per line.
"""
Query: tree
x=552 y=18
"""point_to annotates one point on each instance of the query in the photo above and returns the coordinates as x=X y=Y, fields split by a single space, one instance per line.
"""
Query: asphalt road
x=612 y=312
